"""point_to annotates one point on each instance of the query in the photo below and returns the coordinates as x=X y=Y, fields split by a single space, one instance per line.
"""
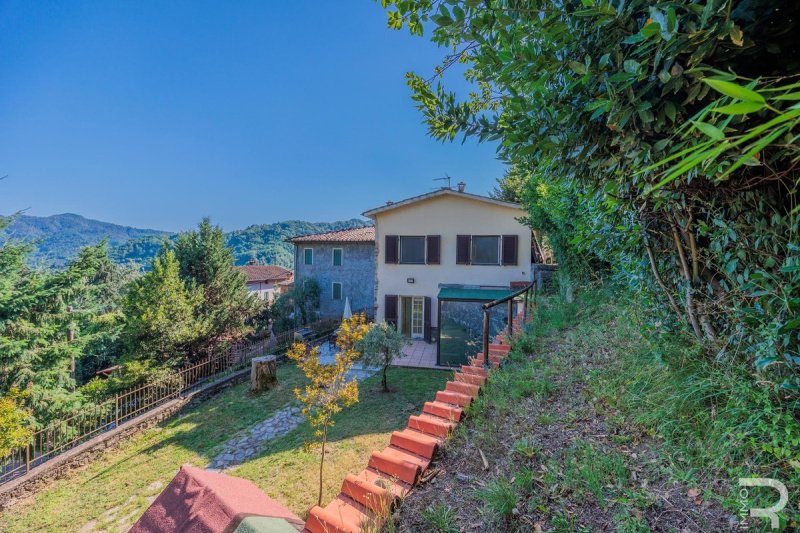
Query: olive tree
x=380 y=346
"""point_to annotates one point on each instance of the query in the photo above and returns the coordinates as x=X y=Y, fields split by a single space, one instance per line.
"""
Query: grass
x=602 y=421
x=359 y=431
x=440 y=518
x=114 y=490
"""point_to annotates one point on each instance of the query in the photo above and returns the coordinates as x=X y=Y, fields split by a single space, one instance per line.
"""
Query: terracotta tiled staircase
x=366 y=499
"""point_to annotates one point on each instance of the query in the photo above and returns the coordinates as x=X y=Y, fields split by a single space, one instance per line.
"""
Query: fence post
x=510 y=319
x=485 y=337
x=525 y=309
x=116 y=410
x=27 y=458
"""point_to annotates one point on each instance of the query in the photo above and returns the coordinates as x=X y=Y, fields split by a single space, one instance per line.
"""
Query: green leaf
x=733 y=90
x=788 y=96
x=631 y=66
x=579 y=68
x=670 y=110
x=739 y=108
x=711 y=131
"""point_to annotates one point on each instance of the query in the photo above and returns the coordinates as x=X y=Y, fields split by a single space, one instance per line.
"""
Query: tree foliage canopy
x=658 y=141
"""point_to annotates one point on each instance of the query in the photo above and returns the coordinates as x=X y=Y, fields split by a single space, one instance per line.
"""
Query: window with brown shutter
x=463 y=252
x=434 y=245
x=510 y=246
x=390 y=309
x=392 y=248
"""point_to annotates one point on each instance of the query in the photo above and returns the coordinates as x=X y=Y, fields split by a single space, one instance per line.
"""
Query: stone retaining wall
x=62 y=465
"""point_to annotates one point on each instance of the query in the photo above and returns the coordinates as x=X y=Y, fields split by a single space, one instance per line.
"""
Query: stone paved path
x=249 y=442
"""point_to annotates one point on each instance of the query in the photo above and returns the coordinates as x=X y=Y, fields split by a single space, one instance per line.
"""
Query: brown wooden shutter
x=390 y=309
x=392 y=249
x=434 y=244
x=427 y=319
x=463 y=249
x=510 y=245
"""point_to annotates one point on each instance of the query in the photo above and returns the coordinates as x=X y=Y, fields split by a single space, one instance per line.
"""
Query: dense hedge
x=653 y=141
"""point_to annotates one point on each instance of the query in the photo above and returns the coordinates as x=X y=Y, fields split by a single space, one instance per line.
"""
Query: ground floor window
x=337 y=290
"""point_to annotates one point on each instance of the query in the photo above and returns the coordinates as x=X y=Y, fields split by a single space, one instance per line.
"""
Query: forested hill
x=264 y=242
x=57 y=238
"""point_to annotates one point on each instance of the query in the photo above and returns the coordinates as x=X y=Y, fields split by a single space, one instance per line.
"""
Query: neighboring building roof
x=441 y=192
x=200 y=500
x=265 y=273
x=365 y=234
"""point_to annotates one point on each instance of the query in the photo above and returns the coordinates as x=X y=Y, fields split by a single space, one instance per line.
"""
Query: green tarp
x=479 y=294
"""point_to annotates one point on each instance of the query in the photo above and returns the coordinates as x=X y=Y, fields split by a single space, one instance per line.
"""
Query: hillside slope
x=264 y=242
x=57 y=238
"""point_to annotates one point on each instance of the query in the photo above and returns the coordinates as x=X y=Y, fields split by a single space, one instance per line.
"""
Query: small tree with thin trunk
x=380 y=346
x=329 y=390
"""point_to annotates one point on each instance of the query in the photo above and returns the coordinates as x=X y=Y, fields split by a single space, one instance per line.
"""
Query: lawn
x=111 y=493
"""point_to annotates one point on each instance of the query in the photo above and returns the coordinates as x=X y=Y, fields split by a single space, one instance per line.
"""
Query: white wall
x=265 y=291
x=448 y=215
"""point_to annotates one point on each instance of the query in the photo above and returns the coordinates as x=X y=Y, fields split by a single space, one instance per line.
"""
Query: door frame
x=402 y=317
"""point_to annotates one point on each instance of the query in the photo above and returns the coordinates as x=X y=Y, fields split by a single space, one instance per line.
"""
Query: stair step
x=416 y=442
x=463 y=388
x=432 y=425
x=394 y=486
x=405 y=455
x=394 y=466
x=324 y=521
x=371 y=496
x=443 y=410
x=470 y=378
x=353 y=514
x=455 y=398
x=477 y=370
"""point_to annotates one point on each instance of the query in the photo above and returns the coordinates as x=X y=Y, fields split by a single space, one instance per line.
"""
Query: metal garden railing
x=94 y=419
x=529 y=291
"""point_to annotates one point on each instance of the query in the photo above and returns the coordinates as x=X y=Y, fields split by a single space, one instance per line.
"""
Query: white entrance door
x=417 y=317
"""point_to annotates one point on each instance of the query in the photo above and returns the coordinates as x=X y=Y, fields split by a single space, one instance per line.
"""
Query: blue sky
x=155 y=114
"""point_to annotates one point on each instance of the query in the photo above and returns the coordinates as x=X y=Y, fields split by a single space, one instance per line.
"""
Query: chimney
x=252 y=261
x=461 y=186
x=389 y=202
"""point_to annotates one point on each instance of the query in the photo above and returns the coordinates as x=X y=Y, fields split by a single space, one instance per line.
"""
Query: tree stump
x=263 y=373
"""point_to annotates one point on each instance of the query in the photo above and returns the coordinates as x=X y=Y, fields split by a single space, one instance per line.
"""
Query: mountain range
x=56 y=239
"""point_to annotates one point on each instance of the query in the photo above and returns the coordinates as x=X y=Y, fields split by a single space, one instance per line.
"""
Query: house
x=267 y=281
x=442 y=254
x=343 y=263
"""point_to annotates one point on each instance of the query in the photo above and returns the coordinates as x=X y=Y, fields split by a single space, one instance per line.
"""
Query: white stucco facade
x=447 y=214
x=266 y=290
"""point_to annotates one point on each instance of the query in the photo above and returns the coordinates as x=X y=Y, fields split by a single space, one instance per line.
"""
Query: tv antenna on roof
x=446 y=177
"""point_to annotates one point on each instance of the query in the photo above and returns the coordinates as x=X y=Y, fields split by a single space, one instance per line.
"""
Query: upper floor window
x=485 y=249
x=337 y=256
x=412 y=250
x=308 y=256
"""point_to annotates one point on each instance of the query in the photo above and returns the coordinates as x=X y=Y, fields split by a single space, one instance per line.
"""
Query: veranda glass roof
x=474 y=293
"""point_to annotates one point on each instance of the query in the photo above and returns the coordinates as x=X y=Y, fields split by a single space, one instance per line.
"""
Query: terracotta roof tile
x=365 y=234
x=266 y=272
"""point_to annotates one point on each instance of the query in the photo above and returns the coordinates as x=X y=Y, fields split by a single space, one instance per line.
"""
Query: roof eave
x=441 y=192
